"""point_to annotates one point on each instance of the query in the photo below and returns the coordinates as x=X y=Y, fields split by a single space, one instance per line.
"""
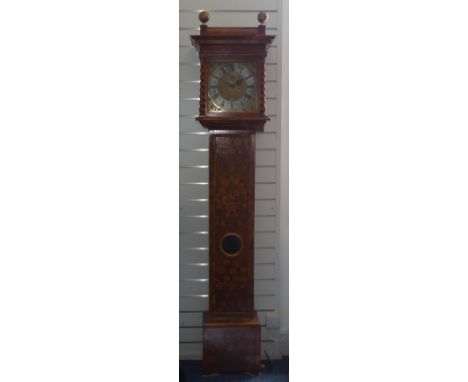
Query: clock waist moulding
x=232 y=108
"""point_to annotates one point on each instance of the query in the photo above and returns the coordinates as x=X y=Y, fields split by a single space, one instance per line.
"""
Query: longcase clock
x=232 y=108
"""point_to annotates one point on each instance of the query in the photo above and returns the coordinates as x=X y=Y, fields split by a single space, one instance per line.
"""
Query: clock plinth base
x=231 y=343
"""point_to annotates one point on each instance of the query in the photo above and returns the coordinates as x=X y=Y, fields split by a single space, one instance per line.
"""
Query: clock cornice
x=232 y=40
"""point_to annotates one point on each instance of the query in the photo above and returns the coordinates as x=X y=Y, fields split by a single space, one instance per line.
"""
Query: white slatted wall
x=193 y=176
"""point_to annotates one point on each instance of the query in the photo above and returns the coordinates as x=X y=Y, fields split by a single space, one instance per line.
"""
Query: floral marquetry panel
x=232 y=178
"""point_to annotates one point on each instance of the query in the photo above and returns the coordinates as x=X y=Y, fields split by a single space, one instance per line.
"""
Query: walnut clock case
x=232 y=108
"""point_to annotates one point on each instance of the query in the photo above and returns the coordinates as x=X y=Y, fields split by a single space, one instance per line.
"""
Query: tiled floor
x=277 y=372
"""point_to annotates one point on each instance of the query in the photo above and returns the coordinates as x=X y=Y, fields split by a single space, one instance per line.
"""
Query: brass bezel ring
x=231 y=234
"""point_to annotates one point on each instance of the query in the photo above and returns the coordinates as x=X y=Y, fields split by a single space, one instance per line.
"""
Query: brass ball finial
x=204 y=16
x=262 y=17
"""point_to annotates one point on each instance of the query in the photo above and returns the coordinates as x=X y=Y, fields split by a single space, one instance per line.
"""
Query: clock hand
x=229 y=82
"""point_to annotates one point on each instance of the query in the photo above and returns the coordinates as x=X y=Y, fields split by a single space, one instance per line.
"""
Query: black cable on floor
x=268 y=367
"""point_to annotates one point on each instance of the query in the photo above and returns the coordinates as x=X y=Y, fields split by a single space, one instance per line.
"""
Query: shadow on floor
x=276 y=371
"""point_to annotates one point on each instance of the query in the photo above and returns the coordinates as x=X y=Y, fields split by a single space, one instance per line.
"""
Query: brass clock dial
x=232 y=87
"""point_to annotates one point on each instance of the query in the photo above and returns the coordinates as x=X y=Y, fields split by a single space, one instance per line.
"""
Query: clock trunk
x=232 y=201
